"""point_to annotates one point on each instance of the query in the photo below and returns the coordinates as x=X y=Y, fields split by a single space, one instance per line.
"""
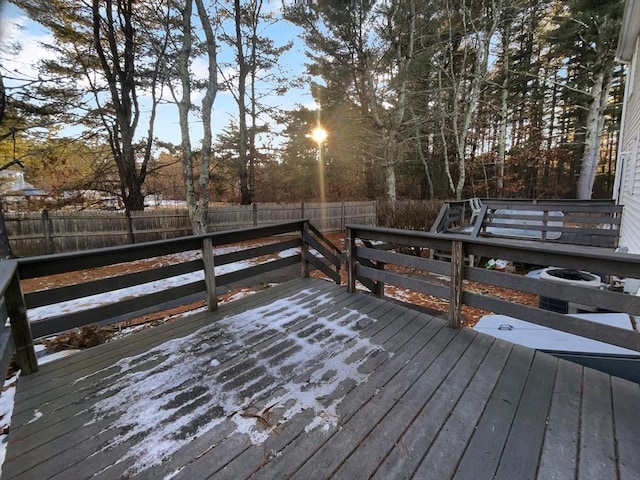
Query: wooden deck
x=307 y=381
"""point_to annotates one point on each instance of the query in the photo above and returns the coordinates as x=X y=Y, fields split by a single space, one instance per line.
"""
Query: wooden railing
x=594 y=223
x=576 y=222
x=15 y=338
x=315 y=252
x=373 y=259
x=453 y=214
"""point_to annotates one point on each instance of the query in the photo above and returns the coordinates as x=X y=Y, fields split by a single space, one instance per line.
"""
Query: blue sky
x=17 y=28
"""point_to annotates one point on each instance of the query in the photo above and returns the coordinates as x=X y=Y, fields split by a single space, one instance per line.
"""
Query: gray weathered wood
x=434 y=403
x=566 y=323
x=559 y=453
x=360 y=424
x=434 y=449
x=432 y=398
x=334 y=248
x=208 y=263
x=20 y=328
x=611 y=300
x=400 y=280
x=350 y=244
x=409 y=261
x=249 y=272
x=6 y=349
x=80 y=290
x=254 y=252
x=323 y=267
x=482 y=455
x=597 y=456
x=32 y=267
x=326 y=253
x=304 y=263
x=106 y=312
x=456 y=291
x=518 y=459
x=626 y=398
x=7 y=271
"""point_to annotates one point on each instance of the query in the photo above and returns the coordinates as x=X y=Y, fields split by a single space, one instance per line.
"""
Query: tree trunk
x=425 y=165
x=594 y=126
x=502 y=128
x=122 y=88
x=243 y=71
x=184 y=105
x=391 y=173
x=202 y=221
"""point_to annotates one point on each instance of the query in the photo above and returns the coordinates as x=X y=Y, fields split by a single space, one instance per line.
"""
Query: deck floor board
x=304 y=380
x=528 y=427
x=597 y=451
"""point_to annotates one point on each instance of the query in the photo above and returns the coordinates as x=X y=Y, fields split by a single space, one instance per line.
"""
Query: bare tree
x=462 y=73
x=256 y=61
x=104 y=55
x=389 y=102
x=197 y=192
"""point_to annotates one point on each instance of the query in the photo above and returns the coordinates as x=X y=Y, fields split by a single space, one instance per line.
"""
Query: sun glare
x=319 y=135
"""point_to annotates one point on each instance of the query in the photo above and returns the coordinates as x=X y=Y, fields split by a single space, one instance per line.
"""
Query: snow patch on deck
x=186 y=387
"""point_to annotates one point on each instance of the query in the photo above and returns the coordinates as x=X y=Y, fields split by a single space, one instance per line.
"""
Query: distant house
x=627 y=184
x=15 y=191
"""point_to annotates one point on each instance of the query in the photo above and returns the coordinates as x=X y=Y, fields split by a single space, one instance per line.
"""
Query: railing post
x=350 y=246
x=379 y=284
x=255 y=214
x=304 y=263
x=209 y=273
x=46 y=229
x=20 y=328
x=457 y=275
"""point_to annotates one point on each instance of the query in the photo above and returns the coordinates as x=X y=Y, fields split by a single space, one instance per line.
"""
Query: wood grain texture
x=429 y=402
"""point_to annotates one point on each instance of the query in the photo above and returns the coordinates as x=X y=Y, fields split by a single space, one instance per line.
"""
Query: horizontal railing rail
x=193 y=259
x=373 y=267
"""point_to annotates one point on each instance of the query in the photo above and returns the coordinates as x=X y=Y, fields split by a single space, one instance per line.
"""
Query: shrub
x=408 y=214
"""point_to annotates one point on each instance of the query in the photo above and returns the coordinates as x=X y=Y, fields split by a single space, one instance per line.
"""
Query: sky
x=15 y=27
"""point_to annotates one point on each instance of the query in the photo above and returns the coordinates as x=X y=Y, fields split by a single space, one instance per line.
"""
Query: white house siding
x=628 y=190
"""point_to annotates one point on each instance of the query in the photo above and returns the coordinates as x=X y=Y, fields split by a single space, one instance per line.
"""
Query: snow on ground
x=115 y=296
x=150 y=404
x=6 y=410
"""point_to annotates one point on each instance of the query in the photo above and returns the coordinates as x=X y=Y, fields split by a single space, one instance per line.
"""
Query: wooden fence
x=59 y=232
